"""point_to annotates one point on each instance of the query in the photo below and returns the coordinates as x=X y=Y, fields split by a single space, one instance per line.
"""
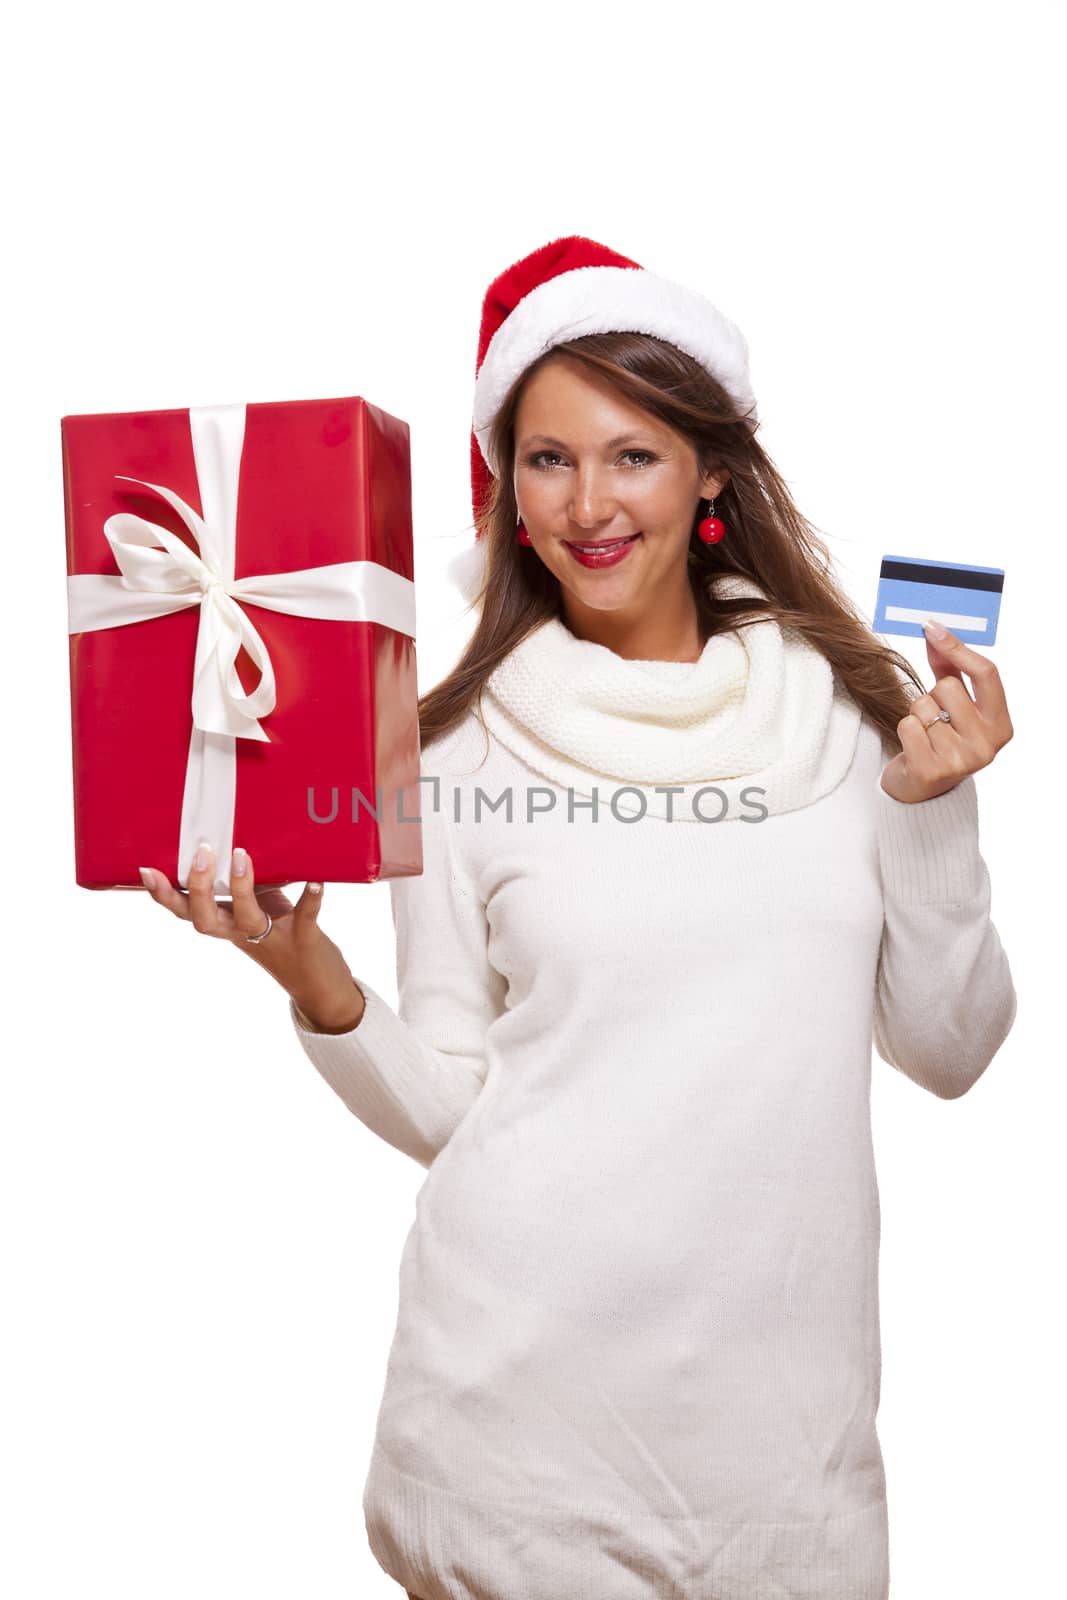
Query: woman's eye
x=540 y=459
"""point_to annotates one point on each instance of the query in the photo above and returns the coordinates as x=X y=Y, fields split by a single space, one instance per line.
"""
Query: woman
x=705 y=846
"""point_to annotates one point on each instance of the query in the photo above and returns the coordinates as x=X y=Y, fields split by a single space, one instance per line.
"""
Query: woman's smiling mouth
x=604 y=553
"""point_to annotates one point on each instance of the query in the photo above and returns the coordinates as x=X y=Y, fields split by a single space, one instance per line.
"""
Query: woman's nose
x=592 y=503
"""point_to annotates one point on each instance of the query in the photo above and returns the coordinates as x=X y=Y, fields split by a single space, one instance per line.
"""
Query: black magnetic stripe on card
x=954 y=577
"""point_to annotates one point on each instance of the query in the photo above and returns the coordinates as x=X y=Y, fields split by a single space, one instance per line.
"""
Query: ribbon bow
x=160 y=574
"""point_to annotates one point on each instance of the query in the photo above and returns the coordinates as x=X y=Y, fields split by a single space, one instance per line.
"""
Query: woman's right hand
x=296 y=952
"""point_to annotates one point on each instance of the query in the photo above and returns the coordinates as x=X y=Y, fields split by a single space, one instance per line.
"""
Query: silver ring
x=942 y=716
x=257 y=938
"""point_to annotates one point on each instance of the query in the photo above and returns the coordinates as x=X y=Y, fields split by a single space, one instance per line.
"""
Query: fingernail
x=200 y=860
x=934 y=629
x=240 y=862
x=314 y=888
x=148 y=877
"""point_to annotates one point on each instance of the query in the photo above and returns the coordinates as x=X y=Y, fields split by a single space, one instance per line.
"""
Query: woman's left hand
x=937 y=755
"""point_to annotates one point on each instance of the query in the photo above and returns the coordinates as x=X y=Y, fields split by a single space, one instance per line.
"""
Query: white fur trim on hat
x=608 y=300
x=467 y=568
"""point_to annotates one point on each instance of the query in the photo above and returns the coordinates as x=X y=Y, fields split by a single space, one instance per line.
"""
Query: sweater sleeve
x=411 y=1075
x=944 y=997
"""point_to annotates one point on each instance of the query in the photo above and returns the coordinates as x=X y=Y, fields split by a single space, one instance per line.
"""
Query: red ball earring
x=522 y=535
x=712 y=529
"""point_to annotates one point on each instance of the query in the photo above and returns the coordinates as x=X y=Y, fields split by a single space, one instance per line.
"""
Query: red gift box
x=242 y=642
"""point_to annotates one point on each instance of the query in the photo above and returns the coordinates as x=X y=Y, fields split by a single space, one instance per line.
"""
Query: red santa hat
x=564 y=289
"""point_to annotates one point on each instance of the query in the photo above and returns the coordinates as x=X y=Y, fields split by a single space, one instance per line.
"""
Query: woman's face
x=590 y=469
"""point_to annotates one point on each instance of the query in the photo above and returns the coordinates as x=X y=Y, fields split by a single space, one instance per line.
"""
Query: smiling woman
x=637 y=1350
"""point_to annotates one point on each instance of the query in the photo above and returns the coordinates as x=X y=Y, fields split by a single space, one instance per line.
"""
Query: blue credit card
x=965 y=599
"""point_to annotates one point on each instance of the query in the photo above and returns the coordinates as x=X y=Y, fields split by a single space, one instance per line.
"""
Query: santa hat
x=564 y=289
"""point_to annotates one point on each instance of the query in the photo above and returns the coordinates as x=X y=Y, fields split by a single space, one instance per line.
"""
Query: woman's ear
x=714 y=483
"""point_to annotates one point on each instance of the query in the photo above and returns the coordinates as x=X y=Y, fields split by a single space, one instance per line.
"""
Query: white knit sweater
x=637 y=1352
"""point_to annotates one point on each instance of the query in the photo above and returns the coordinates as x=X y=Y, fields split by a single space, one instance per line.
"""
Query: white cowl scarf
x=761 y=710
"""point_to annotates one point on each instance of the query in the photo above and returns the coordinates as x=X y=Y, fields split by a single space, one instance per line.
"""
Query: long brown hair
x=767 y=540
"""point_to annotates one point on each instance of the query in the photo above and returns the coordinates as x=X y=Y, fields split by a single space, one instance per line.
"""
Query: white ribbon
x=161 y=574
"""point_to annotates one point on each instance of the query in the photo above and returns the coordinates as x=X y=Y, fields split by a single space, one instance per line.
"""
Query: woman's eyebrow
x=609 y=444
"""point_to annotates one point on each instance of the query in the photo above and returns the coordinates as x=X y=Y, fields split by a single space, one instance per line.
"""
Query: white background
x=211 y=203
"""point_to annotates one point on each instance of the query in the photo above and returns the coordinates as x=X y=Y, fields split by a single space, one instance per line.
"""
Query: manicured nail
x=314 y=888
x=934 y=629
x=203 y=854
x=240 y=862
x=148 y=877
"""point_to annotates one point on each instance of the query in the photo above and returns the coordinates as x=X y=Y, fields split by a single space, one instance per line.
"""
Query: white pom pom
x=467 y=569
